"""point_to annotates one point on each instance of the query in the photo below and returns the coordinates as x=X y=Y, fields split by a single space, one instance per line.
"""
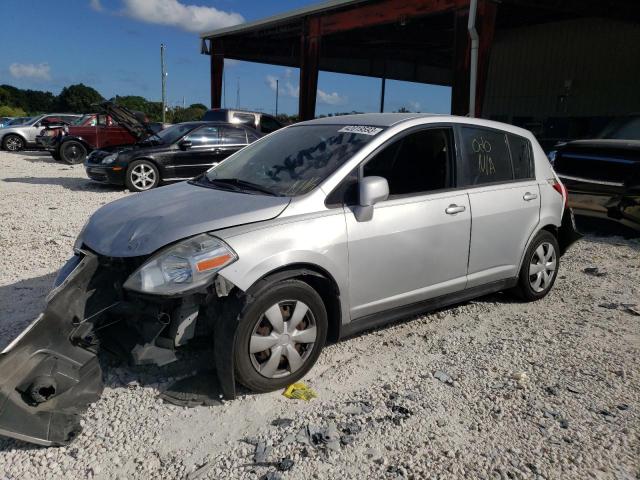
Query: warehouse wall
x=569 y=76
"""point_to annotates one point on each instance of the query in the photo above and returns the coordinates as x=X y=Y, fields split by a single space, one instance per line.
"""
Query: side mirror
x=185 y=144
x=371 y=191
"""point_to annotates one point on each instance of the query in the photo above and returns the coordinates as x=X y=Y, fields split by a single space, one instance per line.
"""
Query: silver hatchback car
x=315 y=232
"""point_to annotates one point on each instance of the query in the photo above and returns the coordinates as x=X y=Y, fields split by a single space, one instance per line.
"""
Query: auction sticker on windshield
x=363 y=129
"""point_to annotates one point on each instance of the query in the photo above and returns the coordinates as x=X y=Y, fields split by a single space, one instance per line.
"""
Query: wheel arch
x=67 y=138
x=317 y=278
x=15 y=134
x=545 y=226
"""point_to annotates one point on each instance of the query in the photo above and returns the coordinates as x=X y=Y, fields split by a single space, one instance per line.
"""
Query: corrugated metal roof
x=281 y=18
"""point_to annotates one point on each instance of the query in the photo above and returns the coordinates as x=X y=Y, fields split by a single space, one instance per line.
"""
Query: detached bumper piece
x=51 y=373
x=568 y=234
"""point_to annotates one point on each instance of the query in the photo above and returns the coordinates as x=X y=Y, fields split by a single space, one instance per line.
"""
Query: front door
x=203 y=152
x=504 y=197
x=417 y=243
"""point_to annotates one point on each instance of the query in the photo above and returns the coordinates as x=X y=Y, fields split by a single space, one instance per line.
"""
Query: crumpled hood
x=145 y=222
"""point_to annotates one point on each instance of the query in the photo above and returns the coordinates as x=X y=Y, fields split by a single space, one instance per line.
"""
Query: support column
x=309 y=65
x=217 y=69
x=461 y=64
x=486 y=24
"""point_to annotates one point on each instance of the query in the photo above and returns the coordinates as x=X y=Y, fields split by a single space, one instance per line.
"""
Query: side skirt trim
x=382 y=318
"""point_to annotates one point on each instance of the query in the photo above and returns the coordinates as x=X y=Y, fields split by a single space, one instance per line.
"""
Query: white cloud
x=41 y=71
x=331 y=98
x=193 y=18
x=96 y=5
x=288 y=89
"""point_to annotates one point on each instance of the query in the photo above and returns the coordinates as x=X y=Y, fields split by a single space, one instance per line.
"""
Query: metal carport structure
x=425 y=41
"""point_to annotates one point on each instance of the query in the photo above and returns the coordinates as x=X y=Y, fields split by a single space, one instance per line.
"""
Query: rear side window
x=269 y=124
x=204 y=136
x=521 y=156
x=485 y=157
x=234 y=136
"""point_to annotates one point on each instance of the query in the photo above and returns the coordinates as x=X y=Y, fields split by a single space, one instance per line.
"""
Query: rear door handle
x=453 y=209
x=529 y=196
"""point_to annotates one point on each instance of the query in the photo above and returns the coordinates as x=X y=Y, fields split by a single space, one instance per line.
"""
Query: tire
x=271 y=369
x=72 y=152
x=142 y=175
x=13 y=143
x=536 y=278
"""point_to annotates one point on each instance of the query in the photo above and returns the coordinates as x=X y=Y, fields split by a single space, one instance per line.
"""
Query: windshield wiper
x=243 y=185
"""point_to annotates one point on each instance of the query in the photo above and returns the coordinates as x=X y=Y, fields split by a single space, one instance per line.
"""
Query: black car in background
x=176 y=153
x=602 y=175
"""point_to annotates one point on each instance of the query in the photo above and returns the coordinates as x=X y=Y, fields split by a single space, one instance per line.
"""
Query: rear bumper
x=51 y=373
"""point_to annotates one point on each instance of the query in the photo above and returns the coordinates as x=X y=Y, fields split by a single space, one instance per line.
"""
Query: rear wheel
x=142 y=175
x=13 y=143
x=539 y=268
x=280 y=336
x=73 y=152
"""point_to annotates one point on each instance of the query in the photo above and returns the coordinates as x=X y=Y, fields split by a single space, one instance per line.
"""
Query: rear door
x=504 y=199
x=232 y=139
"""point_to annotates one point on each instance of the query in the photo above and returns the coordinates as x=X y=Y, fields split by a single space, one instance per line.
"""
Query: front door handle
x=527 y=197
x=453 y=209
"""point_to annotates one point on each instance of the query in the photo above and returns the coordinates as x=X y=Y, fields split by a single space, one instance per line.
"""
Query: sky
x=114 y=47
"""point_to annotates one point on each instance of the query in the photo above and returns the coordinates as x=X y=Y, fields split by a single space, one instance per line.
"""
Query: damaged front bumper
x=50 y=373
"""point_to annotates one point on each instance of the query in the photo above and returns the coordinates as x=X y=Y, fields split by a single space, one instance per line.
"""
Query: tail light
x=559 y=187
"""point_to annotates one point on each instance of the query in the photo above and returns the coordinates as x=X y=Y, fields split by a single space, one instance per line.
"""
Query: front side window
x=521 y=156
x=173 y=133
x=485 y=157
x=293 y=161
x=204 y=136
x=416 y=163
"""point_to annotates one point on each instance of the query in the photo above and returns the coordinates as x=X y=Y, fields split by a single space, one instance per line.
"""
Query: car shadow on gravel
x=70 y=183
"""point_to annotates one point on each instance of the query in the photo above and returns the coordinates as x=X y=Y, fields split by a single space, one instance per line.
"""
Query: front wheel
x=539 y=268
x=73 y=152
x=280 y=336
x=142 y=175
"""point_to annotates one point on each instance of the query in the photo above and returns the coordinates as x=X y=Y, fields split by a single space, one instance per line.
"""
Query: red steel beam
x=385 y=11
x=309 y=66
x=486 y=23
x=217 y=68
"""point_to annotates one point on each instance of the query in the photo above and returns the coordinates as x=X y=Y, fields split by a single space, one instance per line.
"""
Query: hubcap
x=283 y=339
x=542 y=267
x=72 y=152
x=14 y=144
x=143 y=176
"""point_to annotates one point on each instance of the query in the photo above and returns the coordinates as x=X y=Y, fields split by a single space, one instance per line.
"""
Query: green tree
x=133 y=102
x=6 y=111
x=187 y=114
x=78 y=99
x=201 y=106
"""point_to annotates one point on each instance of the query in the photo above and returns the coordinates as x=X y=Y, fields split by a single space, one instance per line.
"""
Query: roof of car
x=391 y=119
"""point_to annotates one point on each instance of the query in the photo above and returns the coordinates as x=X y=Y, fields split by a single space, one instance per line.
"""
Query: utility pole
x=224 y=90
x=164 y=84
x=277 y=90
x=238 y=94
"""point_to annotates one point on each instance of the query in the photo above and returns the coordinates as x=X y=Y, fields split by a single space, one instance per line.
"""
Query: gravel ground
x=489 y=389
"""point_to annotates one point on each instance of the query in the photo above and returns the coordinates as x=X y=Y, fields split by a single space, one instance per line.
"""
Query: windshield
x=295 y=160
x=174 y=132
x=627 y=128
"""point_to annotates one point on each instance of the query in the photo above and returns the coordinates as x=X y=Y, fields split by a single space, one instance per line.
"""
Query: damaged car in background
x=313 y=233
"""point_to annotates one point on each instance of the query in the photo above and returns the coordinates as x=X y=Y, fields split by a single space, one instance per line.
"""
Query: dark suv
x=176 y=153
x=260 y=121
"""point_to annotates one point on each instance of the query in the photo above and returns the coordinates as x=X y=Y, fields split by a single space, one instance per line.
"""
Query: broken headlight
x=187 y=265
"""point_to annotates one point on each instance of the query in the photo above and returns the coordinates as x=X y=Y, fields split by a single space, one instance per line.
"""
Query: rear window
x=485 y=157
x=521 y=156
